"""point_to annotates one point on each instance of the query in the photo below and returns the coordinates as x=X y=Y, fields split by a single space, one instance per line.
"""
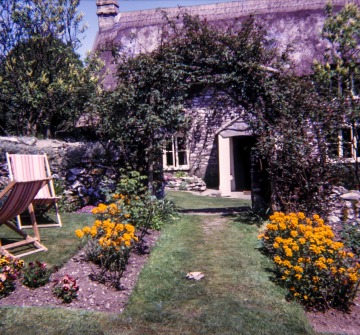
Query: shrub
x=110 y=240
x=66 y=289
x=351 y=237
x=36 y=275
x=9 y=271
x=146 y=211
x=315 y=268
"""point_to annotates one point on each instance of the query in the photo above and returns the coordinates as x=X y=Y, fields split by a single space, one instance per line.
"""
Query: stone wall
x=84 y=172
x=207 y=119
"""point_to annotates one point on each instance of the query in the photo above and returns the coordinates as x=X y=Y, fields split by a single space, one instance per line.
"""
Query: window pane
x=182 y=158
x=169 y=146
x=169 y=159
x=346 y=134
x=346 y=143
x=347 y=150
x=181 y=143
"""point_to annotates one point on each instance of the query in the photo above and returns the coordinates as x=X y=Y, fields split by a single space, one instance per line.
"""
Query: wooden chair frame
x=32 y=167
x=15 y=198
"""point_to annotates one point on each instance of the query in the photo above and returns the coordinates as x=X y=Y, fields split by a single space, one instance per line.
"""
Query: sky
x=88 y=7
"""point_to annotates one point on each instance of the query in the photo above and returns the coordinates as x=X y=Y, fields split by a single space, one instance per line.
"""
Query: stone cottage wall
x=206 y=121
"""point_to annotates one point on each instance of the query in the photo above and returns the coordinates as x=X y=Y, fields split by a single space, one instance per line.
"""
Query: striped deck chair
x=32 y=167
x=15 y=198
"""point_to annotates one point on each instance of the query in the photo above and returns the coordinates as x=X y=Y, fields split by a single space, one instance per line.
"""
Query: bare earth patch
x=92 y=295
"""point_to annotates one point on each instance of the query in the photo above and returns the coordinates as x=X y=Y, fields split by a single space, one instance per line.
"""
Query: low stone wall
x=184 y=183
x=346 y=206
x=84 y=173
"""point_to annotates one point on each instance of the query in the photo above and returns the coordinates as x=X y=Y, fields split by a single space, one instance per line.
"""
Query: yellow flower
x=316 y=279
x=79 y=233
x=298 y=276
x=353 y=277
x=294 y=233
x=93 y=231
x=298 y=269
x=277 y=259
x=301 y=215
x=288 y=252
x=120 y=227
x=86 y=230
x=282 y=226
x=130 y=228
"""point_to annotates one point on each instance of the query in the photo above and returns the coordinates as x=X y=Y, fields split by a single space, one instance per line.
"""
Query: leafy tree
x=44 y=85
x=23 y=19
x=338 y=76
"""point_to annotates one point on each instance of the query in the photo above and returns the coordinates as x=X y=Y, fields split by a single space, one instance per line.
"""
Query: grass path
x=234 y=297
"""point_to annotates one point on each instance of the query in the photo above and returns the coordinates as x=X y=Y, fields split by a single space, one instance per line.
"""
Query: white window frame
x=175 y=155
x=353 y=142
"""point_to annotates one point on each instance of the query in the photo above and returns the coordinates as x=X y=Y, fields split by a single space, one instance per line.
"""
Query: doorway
x=242 y=146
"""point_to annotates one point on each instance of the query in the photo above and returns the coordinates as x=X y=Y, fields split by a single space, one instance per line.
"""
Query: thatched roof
x=295 y=22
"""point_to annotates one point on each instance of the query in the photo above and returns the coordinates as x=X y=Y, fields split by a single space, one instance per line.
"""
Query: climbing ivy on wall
x=243 y=70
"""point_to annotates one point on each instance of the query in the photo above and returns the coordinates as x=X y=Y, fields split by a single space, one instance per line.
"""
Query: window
x=176 y=154
x=349 y=143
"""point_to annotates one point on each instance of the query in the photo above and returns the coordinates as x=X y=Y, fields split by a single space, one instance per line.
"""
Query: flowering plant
x=66 y=289
x=9 y=271
x=313 y=266
x=36 y=275
x=111 y=238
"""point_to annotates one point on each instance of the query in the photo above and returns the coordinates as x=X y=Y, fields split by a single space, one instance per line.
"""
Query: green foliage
x=145 y=210
x=179 y=174
x=337 y=76
x=132 y=184
x=164 y=212
x=9 y=271
x=340 y=72
x=310 y=263
x=44 y=85
x=350 y=234
x=65 y=289
x=35 y=274
x=242 y=70
x=22 y=19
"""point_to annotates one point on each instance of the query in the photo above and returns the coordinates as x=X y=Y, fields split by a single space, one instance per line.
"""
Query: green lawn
x=235 y=296
x=188 y=201
x=61 y=242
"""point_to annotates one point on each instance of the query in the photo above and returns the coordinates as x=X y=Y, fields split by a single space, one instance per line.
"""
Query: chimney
x=106 y=12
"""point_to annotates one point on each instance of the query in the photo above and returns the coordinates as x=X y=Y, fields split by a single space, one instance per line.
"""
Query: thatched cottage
x=220 y=153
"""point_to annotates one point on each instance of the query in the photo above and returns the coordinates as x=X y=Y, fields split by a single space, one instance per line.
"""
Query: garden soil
x=92 y=295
